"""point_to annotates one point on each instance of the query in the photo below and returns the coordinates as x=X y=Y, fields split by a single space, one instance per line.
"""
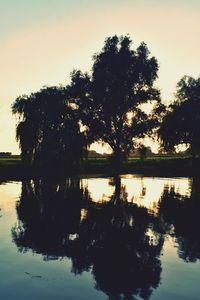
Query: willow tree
x=181 y=124
x=48 y=130
x=110 y=98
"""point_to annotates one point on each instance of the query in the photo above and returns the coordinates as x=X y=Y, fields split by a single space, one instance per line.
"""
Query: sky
x=42 y=41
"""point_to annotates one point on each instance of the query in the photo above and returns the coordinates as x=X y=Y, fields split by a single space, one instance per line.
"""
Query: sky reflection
x=143 y=191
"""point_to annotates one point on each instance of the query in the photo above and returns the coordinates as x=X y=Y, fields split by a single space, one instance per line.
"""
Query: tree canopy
x=181 y=124
x=56 y=124
x=48 y=131
x=109 y=99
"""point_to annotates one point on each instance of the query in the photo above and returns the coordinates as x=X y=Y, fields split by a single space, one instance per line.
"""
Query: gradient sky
x=42 y=41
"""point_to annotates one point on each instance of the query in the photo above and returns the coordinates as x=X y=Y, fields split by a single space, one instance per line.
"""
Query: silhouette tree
x=48 y=130
x=181 y=124
x=142 y=152
x=110 y=100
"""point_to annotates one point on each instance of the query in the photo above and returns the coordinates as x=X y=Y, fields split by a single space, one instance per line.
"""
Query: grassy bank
x=178 y=166
x=12 y=168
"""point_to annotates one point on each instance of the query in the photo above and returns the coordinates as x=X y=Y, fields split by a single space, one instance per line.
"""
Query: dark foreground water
x=128 y=238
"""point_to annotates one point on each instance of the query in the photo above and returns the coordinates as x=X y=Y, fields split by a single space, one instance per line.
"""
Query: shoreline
x=173 y=167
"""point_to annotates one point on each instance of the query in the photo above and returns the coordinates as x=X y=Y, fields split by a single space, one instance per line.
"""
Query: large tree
x=48 y=130
x=110 y=98
x=181 y=124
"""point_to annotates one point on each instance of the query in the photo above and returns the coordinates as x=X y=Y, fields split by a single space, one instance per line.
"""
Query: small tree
x=142 y=152
x=181 y=124
x=110 y=99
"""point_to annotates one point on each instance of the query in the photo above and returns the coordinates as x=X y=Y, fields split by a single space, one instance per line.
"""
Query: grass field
x=102 y=160
x=9 y=160
x=158 y=165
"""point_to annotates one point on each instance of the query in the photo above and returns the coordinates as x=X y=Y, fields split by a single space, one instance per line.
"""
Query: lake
x=128 y=237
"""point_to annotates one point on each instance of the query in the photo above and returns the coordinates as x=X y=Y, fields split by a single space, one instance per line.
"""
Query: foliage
x=48 y=130
x=109 y=100
x=181 y=125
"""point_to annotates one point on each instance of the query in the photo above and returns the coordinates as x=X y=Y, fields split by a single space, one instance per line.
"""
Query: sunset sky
x=42 y=41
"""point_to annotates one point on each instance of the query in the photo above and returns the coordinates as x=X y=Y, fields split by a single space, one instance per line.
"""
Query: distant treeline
x=5 y=154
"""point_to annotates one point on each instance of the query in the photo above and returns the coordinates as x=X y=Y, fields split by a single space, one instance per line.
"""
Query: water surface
x=129 y=237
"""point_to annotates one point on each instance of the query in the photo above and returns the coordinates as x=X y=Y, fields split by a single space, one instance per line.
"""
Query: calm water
x=100 y=238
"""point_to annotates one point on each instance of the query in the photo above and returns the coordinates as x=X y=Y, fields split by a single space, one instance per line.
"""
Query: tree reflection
x=47 y=213
x=117 y=241
x=182 y=212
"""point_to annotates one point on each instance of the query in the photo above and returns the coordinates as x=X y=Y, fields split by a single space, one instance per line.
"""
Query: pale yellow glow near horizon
x=143 y=191
x=9 y=195
x=102 y=149
x=46 y=53
x=146 y=191
x=99 y=188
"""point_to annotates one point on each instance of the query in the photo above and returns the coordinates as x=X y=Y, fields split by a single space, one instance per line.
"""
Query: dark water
x=100 y=238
